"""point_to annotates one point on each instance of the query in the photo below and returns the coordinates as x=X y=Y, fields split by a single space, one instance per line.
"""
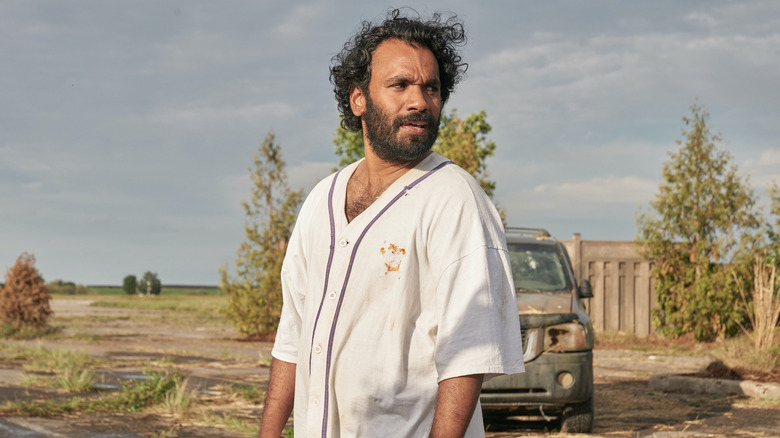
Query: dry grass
x=738 y=353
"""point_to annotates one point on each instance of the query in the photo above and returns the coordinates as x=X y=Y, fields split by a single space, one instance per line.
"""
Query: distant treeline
x=167 y=286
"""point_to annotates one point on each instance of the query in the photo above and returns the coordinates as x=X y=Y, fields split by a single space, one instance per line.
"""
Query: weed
x=73 y=380
x=233 y=423
x=35 y=381
x=25 y=332
x=290 y=433
x=741 y=352
x=178 y=400
x=134 y=396
x=169 y=433
x=249 y=393
x=139 y=394
x=43 y=359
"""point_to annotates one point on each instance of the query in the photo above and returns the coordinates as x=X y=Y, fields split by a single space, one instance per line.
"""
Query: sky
x=127 y=128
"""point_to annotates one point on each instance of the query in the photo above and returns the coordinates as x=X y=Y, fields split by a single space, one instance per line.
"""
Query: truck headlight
x=570 y=336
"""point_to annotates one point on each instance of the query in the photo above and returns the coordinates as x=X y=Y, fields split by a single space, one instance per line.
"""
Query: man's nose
x=417 y=99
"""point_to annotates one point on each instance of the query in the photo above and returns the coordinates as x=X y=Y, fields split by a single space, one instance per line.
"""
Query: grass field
x=201 y=304
x=166 y=291
x=186 y=303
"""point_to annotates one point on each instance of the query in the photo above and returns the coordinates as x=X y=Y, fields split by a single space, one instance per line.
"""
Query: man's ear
x=357 y=101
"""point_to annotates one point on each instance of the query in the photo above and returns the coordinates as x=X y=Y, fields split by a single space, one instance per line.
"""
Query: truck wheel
x=578 y=418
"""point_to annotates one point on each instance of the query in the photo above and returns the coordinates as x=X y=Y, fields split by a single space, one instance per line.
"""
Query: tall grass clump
x=152 y=390
x=76 y=380
x=43 y=359
x=179 y=399
x=132 y=397
x=740 y=352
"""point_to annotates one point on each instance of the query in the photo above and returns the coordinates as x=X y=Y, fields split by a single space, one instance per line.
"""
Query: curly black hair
x=352 y=66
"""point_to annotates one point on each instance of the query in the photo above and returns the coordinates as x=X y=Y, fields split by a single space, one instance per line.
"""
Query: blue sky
x=126 y=128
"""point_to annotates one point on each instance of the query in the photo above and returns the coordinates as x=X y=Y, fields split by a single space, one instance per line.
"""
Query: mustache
x=427 y=118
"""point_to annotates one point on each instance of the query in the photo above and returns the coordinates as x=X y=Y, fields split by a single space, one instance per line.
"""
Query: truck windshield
x=537 y=268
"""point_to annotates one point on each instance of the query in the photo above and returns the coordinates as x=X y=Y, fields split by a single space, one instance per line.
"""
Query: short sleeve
x=479 y=330
x=293 y=284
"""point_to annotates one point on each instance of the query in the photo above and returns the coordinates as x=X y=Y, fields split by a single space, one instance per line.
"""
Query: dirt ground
x=209 y=350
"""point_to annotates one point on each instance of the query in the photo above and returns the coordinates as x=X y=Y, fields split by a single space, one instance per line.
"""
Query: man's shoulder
x=453 y=181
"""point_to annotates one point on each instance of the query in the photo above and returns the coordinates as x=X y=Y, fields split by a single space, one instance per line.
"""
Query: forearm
x=455 y=405
x=279 y=399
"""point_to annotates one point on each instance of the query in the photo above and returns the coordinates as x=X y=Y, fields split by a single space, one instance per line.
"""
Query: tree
x=464 y=141
x=255 y=293
x=349 y=145
x=24 y=300
x=699 y=223
x=129 y=284
x=149 y=284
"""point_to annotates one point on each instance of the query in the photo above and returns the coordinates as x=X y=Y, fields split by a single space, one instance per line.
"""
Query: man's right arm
x=279 y=400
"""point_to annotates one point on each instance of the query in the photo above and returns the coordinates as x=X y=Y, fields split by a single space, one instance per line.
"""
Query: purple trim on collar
x=330 y=259
x=331 y=337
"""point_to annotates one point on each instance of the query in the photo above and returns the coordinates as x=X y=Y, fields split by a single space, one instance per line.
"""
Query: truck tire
x=578 y=418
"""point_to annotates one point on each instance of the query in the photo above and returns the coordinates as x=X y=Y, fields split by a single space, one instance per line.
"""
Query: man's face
x=401 y=108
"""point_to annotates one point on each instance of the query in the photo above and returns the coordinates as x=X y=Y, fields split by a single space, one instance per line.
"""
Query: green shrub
x=130 y=284
x=66 y=288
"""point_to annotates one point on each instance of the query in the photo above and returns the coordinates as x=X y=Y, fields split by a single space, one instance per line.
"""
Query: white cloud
x=551 y=77
x=601 y=190
x=764 y=169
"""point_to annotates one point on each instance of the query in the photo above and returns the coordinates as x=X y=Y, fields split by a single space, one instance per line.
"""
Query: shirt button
x=332 y=295
x=343 y=243
x=315 y=401
x=318 y=349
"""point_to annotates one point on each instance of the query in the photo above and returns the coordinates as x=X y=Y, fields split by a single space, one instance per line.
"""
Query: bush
x=129 y=284
x=66 y=288
x=24 y=300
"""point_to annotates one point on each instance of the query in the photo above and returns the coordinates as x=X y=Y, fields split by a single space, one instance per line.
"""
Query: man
x=398 y=296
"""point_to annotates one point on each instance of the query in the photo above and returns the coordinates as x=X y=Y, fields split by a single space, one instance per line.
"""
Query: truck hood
x=541 y=304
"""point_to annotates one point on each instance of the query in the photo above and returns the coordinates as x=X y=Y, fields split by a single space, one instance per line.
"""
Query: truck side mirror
x=585 y=290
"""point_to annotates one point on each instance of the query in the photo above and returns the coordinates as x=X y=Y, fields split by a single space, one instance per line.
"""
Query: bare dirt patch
x=626 y=407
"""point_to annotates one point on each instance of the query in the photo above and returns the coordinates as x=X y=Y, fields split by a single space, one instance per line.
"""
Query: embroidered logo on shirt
x=393 y=257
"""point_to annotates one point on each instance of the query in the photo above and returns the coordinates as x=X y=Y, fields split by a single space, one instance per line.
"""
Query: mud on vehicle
x=557 y=338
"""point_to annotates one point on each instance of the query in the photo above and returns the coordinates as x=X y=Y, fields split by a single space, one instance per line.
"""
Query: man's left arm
x=455 y=404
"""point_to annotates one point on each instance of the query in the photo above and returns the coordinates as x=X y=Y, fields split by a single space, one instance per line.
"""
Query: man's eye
x=432 y=89
x=399 y=86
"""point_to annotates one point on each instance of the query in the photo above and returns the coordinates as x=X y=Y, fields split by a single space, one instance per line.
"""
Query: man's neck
x=376 y=172
x=371 y=178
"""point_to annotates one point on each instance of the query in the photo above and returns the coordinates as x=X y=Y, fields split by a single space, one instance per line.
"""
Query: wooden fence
x=623 y=292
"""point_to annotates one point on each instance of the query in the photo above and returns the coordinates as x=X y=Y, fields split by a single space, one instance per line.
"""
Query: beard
x=382 y=132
